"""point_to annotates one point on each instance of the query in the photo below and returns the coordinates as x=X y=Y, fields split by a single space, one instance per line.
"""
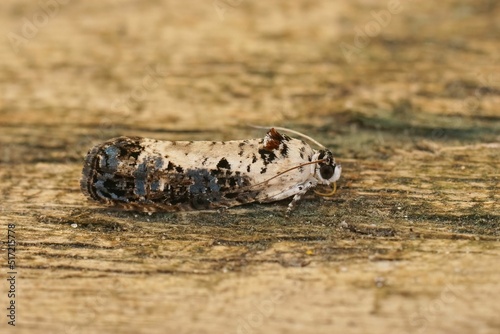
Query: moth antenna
x=289 y=130
x=290 y=169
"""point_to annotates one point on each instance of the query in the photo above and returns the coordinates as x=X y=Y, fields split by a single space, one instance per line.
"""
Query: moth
x=141 y=174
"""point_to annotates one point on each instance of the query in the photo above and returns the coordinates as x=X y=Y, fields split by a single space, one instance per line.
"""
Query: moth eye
x=326 y=171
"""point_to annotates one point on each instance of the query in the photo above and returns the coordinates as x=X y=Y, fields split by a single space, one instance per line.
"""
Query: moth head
x=326 y=171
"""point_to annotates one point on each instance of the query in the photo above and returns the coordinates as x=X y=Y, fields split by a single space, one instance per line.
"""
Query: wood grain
x=410 y=243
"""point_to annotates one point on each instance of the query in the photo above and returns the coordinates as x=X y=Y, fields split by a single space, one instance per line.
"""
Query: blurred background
x=127 y=67
x=405 y=93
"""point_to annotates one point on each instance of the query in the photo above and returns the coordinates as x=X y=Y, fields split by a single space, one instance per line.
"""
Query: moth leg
x=293 y=203
x=305 y=187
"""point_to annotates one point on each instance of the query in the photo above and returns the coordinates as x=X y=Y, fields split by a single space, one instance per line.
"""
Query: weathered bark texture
x=410 y=243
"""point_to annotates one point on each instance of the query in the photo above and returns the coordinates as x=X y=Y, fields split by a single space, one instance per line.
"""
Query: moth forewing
x=149 y=175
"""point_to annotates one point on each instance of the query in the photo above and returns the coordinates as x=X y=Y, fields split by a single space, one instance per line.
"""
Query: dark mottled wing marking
x=223 y=164
x=199 y=189
x=276 y=141
x=112 y=175
x=274 y=144
x=267 y=156
x=100 y=171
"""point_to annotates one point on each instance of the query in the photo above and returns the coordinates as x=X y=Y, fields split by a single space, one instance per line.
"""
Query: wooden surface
x=410 y=244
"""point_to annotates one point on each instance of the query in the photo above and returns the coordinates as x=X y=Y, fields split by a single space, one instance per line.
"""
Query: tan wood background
x=410 y=244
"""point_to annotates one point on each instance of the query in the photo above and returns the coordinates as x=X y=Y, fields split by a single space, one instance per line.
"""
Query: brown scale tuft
x=273 y=140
